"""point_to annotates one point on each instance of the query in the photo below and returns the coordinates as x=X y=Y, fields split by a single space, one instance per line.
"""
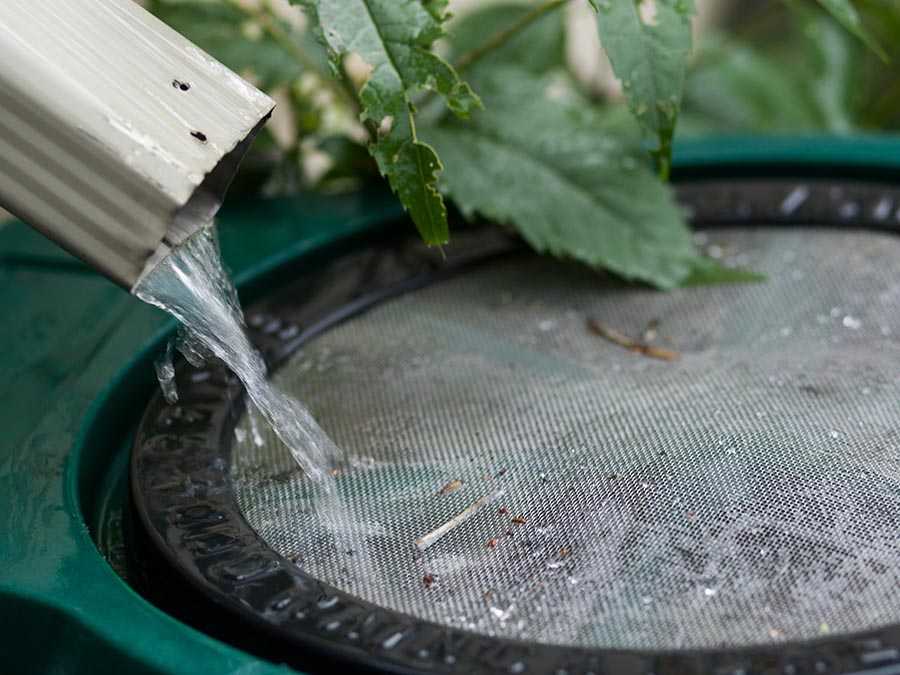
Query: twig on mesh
x=630 y=344
x=452 y=486
x=424 y=542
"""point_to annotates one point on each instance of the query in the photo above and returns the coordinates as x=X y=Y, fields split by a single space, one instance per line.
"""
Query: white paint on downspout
x=117 y=135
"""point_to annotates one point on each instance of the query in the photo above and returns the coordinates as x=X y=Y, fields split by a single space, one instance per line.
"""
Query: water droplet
x=848 y=210
x=392 y=641
x=546 y=325
x=794 y=199
x=326 y=603
x=165 y=373
x=500 y=613
x=709 y=591
x=882 y=209
x=851 y=322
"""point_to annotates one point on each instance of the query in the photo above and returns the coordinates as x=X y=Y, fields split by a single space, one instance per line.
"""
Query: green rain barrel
x=723 y=499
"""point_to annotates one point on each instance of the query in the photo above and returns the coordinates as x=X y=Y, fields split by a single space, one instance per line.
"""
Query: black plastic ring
x=182 y=490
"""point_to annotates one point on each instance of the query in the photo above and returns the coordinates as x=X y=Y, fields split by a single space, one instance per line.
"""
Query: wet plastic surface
x=65 y=335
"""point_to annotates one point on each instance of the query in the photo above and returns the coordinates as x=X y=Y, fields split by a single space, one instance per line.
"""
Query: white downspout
x=118 y=137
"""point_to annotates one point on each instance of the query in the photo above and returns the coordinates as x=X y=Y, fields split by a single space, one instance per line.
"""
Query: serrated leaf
x=570 y=187
x=648 y=51
x=394 y=38
x=416 y=177
x=848 y=17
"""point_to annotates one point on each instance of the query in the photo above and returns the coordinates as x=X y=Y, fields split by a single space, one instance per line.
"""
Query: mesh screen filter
x=747 y=493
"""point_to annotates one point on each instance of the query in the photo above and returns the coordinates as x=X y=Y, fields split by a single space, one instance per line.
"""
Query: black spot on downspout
x=178 y=84
x=199 y=135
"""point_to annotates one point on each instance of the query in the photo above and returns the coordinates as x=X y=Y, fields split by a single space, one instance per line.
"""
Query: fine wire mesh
x=746 y=493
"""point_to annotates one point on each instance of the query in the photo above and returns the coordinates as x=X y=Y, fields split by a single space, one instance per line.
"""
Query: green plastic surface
x=75 y=373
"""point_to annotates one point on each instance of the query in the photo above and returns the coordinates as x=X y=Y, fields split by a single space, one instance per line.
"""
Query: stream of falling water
x=192 y=285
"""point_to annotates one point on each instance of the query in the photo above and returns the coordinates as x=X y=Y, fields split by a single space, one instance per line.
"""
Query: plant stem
x=503 y=36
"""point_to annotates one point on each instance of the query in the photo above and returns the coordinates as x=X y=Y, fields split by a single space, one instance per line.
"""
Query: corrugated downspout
x=117 y=135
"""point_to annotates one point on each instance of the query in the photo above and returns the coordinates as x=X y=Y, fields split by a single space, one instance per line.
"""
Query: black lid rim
x=181 y=485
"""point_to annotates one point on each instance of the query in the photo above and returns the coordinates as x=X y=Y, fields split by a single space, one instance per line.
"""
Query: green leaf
x=833 y=85
x=394 y=38
x=415 y=174
x=809 y=86
x=846 y=14
x=539 y=47
x=649 y=56
x=565 y=182
x=707 y=271
x=737 y=88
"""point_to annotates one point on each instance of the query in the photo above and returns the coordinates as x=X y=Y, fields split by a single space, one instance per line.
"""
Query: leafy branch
x=561 y=169
x=394 y=39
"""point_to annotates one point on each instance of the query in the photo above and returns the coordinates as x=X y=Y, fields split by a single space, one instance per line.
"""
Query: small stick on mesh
x=424 y=542
x=452 y=486
x=631 y=345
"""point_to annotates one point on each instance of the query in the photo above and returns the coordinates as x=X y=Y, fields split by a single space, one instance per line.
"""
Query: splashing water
x=192 y=285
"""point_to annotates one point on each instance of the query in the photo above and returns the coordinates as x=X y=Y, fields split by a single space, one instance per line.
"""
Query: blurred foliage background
x=766 y=66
